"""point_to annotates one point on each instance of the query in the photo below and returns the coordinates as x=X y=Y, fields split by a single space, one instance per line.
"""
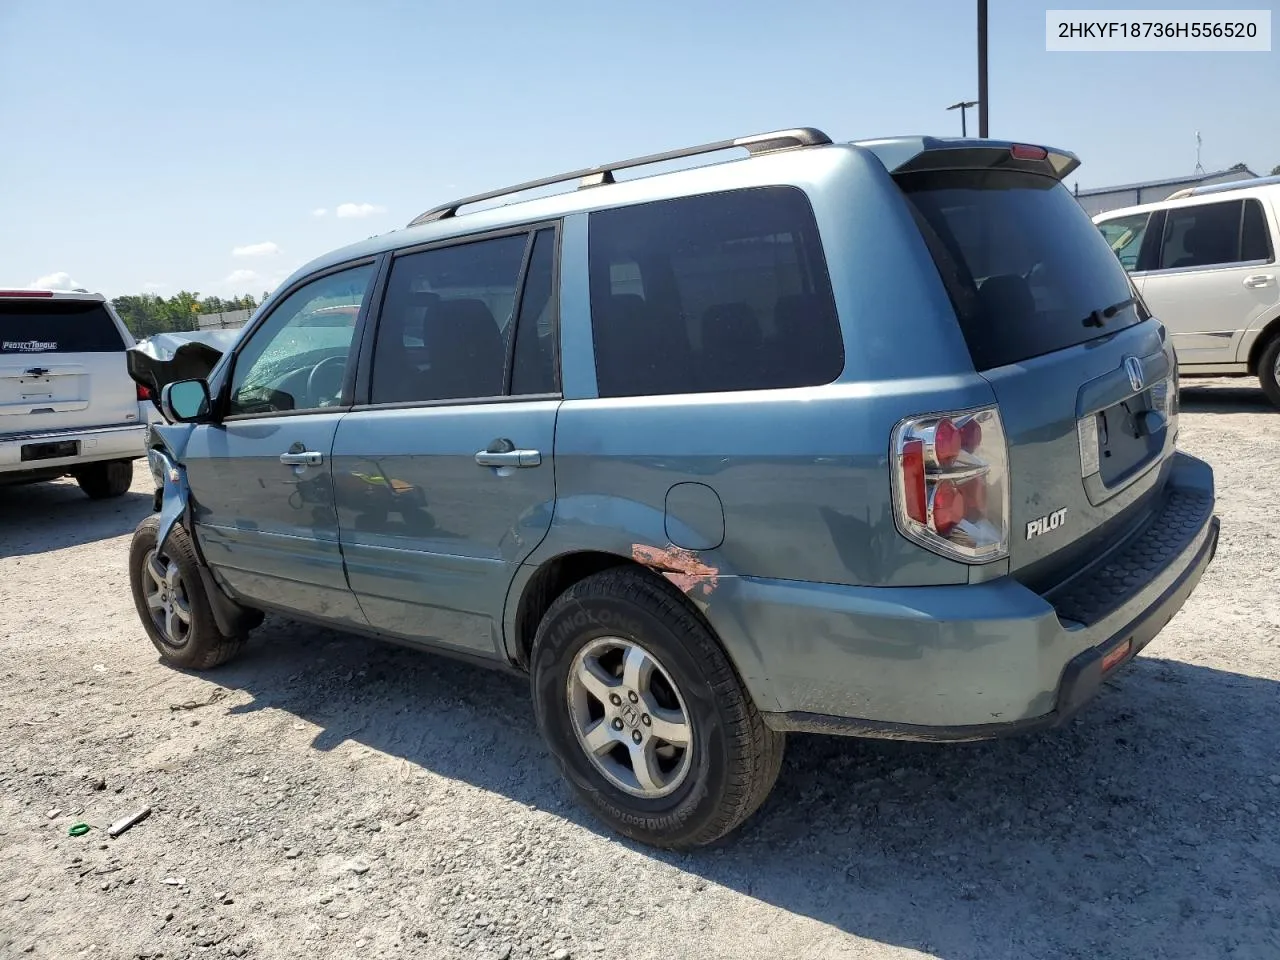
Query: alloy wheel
x=629 y=717
x=167 y=599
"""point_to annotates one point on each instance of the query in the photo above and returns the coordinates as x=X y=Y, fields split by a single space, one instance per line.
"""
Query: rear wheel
x=645 y=715
x=101 y=481
x=170 y=599
x=1269 y=370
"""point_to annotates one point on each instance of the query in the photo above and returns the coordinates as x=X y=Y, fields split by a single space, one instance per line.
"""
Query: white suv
x=67 y=404
x=1204 y=261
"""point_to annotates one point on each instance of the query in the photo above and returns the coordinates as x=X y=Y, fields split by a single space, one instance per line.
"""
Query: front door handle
x=1258 y=280
x=509 y=458
x=304 y=458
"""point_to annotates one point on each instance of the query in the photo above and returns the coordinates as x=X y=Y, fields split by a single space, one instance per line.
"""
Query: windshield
x=57 y=326
x=1026 y=269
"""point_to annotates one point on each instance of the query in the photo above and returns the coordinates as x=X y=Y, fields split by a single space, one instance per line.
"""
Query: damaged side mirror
x=186 y=401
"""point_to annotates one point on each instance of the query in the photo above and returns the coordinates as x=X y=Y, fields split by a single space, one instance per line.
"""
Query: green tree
x=143 y=314
x=146 y=314
x=182 y=308
x=1275 y=171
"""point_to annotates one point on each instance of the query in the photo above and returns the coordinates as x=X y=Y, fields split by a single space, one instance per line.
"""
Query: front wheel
x=645 y=715
x=170 y=599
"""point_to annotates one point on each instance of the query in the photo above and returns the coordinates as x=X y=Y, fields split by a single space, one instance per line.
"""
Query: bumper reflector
x=1115 y=656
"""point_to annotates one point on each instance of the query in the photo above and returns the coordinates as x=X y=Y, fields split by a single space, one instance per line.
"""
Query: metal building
x=1097 y=200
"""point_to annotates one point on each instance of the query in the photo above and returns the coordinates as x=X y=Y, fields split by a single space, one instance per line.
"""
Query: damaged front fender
x=171 y=480
x=166 y=445
x=175 y=505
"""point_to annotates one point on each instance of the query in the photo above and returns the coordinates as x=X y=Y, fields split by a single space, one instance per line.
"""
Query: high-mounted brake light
x=1023 y=151
x=26 y=293
x=950 y=484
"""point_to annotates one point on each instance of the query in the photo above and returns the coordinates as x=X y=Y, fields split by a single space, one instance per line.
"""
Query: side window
x=725 y=291
x=1255 y=239
x=1202 y=236
x=533 y=368
x=445 y=321
x=1124 y=236
x=297 y=359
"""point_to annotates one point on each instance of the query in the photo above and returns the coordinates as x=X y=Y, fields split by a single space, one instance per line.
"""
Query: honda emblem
x=1133 y=367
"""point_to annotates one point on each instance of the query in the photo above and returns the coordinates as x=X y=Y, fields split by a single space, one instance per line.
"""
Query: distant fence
x=230 y=320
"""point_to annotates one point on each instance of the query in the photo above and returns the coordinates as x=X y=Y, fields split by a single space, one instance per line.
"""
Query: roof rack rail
x=598 y=176
x=1225 y=186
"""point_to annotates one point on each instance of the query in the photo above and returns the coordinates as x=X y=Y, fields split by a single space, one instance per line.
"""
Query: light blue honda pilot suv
x=870 y=438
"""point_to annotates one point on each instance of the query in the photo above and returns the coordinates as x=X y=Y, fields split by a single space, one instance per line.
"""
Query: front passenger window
x=297 y=359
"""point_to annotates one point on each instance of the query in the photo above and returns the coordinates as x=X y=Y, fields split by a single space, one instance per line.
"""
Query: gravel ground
x=326 y=796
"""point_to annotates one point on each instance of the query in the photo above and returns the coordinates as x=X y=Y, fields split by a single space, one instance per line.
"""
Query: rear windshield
x=1026 y=269
x=57 y=326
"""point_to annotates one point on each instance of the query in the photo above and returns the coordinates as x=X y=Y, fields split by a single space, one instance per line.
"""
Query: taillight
x=950 y=484
x=143 y=393
x=1025 y=151
x=1164 y=397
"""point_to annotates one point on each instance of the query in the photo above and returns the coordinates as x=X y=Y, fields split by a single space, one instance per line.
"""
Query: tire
x=1269 y=370
x=732 y=759
x=196 y=643
x=101 y=481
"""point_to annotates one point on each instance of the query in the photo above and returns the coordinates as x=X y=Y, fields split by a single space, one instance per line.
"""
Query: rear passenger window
x=533 y=368
x=1255 y=240
x=445 y=320
x=725 y=291
x=1202 y=236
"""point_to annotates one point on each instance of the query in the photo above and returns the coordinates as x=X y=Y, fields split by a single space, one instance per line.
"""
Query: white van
x=67 y=404
x=1204 y=261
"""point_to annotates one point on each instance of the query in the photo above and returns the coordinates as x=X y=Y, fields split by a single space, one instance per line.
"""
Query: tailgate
x=1082 y=374
x=62 y=366
x=1087 y=448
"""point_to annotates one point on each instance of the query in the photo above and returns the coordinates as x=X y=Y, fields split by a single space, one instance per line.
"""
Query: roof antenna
x=1199 y=167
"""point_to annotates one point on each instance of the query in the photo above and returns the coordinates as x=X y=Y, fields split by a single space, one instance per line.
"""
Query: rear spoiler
x=920 y=154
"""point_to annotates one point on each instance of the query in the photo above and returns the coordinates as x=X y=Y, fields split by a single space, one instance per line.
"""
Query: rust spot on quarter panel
x=682 y=567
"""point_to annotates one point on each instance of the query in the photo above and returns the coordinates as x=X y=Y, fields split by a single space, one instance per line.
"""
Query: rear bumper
x=115 y=442
x=1081 y=678
x=973 y=661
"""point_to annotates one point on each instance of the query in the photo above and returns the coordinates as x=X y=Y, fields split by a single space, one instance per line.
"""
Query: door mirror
x=186 y=401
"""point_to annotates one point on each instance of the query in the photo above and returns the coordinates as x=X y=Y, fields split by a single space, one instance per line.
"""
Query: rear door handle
x=509 y=458
x=305 y=458
x=1258 y=280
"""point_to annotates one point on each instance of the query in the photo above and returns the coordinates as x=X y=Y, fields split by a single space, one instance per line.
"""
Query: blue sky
x=150 y=145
